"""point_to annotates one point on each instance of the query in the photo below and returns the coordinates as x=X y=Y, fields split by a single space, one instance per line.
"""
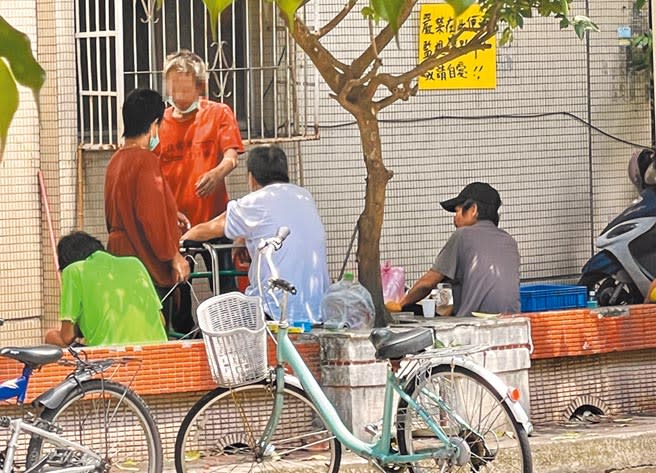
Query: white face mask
x=190 y=108
x=154 y=141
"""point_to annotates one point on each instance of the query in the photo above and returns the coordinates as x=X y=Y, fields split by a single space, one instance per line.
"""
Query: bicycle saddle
x=393 y=345
x=33 y=356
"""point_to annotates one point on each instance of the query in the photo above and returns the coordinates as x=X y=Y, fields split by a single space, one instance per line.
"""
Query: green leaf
x=8 y=102
x=459 y=6
x=582 y=24
x=388 y=10
x=564 y=7
x=289 y=7
x=16 y=49
x=506 y=36
x=564 y=23
x=369 y=13
x=214 y=8
x=639 y=4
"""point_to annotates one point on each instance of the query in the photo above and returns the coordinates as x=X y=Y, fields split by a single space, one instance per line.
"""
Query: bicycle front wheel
x=472 y=414
x=109 y=419
x=221 y=430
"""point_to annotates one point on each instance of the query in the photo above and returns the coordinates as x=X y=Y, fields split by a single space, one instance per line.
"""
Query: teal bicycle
x=442 y=412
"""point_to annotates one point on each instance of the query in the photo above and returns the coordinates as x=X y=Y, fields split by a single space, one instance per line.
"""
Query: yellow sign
x=475 y=70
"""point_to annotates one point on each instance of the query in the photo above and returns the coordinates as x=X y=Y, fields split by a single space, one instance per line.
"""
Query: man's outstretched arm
x=422 y=287
x=215 y=228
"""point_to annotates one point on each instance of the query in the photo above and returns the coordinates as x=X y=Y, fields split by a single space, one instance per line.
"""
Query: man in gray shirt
x=480 y=260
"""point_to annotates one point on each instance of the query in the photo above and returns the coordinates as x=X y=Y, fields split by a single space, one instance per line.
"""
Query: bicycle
x=451 y=414
x=85 y=424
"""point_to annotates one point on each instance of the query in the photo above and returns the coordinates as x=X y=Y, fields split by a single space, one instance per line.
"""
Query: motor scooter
x=622 y=271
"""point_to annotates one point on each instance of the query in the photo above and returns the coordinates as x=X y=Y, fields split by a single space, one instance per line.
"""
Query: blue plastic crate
x=538 y=297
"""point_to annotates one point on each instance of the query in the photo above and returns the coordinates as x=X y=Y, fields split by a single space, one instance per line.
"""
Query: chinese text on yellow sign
x=476 y=70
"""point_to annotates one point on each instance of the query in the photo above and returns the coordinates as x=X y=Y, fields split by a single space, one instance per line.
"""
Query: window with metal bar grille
x=122 y=44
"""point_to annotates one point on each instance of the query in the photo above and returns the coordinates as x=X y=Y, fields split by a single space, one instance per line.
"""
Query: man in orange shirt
x=199 y=144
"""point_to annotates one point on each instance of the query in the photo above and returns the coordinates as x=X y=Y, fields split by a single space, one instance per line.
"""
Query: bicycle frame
x=18 y=425
x=16 y=387
x=380 y=449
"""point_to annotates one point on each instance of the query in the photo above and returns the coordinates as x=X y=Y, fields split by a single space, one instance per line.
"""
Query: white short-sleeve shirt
x=302 y=258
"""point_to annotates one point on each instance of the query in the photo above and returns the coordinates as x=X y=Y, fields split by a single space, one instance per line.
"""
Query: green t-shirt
x=112 y=299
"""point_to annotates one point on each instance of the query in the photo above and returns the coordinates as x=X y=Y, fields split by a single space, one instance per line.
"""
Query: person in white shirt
x=273 y=203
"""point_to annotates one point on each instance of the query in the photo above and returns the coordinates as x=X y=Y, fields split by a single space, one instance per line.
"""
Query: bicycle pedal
x=5 y=421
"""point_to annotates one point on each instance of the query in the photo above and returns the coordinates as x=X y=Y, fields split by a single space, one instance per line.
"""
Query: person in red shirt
x=199 y=146
x=140 y=211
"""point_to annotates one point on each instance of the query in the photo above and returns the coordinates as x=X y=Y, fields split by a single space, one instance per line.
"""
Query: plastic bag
x=393 y=279
x=347 y=304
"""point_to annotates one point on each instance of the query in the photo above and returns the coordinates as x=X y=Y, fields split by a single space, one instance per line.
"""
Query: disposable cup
x=428 y=307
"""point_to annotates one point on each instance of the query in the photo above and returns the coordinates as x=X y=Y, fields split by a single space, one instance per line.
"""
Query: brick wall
x=583 y=358
x=170 y=376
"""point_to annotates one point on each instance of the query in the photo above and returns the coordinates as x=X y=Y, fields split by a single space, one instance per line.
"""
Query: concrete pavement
x=596 y=444
x=605 y=444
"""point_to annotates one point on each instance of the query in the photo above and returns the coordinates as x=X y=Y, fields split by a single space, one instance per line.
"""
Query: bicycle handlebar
x=274 y=241
x=265 y=249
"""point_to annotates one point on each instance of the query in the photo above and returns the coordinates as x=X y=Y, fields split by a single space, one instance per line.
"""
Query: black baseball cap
x=479 y=192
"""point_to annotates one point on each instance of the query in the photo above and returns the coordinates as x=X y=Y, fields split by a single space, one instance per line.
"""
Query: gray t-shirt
x=483 y=263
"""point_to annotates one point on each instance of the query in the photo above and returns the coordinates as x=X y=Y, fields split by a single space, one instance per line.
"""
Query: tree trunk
x=370 y=223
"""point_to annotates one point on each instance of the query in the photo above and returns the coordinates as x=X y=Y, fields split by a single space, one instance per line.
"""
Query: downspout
x=79 y=188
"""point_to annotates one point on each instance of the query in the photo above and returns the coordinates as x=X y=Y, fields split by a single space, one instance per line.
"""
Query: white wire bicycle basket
x=234 y=331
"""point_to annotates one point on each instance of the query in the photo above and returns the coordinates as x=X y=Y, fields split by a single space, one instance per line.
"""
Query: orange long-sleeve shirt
x=140 y=213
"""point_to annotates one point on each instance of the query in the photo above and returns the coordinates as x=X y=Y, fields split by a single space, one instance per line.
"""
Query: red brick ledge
x=165 y=368
x=584 y=332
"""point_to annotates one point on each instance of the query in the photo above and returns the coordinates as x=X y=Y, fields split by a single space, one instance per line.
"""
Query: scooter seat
x=394 y=345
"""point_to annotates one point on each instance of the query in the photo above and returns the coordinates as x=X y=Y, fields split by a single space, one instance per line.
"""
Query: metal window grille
x=122 y=44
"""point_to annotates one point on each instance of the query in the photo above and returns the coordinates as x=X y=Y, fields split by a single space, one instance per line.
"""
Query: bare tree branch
x=332 y=70
x=403 y=92
x=328 y=27
x=346 y=96
x=382 y=40
x=441 y=56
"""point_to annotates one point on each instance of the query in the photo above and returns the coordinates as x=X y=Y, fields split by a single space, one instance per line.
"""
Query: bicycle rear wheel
x=220 y=431
x=472 y=413
x=109 y=419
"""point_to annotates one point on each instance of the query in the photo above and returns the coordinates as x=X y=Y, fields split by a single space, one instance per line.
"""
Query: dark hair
x=140 y=109
x=267 y=164
x=76 y=246
x=485 y=211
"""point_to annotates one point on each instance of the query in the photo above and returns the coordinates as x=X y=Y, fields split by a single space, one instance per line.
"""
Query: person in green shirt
x=110 y=299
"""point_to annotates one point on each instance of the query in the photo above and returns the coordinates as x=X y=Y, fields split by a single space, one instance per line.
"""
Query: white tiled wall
x=545 y=168
x=21 y=295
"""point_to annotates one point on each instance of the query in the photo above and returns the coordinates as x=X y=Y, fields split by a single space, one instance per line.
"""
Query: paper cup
x=428 y=307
